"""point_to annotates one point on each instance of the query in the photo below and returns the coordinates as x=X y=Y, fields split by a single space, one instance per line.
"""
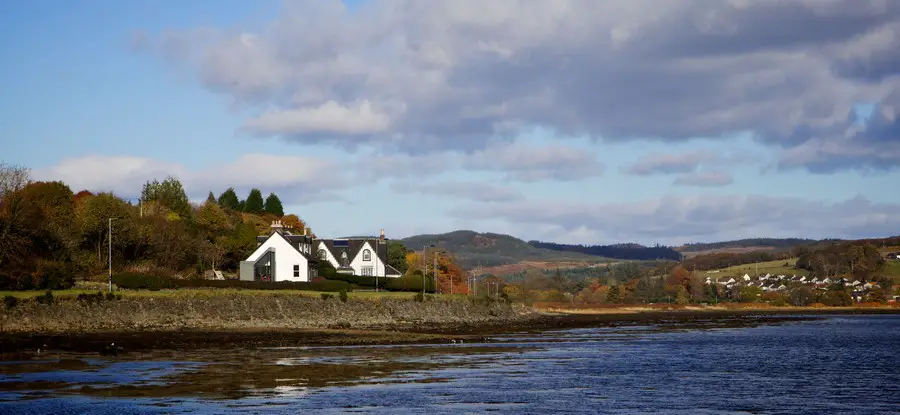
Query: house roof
x=353 y=246
x=292 y=240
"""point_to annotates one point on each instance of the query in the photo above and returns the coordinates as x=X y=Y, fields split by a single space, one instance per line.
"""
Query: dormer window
x=344 y=261
x=322 y=254
x=367 y=255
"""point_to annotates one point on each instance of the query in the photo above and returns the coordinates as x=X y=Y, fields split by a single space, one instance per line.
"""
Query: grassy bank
x=209 y=292
x=242 y=310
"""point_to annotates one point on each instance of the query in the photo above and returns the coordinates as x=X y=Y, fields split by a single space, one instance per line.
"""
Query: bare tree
x=12 y=178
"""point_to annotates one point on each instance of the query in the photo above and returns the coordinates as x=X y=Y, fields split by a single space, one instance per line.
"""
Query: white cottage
x=281 y=256
x=357 y=256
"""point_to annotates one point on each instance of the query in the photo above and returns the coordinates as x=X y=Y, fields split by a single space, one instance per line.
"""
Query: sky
x=572 y=121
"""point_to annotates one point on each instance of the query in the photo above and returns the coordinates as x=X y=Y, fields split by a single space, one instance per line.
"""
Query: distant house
x=281 y=256
x=357 y=256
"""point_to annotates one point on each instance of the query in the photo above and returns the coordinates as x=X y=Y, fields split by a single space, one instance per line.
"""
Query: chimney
x=306 y=231
x=381 y=238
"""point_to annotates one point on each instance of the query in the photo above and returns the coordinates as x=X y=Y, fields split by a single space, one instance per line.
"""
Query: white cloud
x=476 y=191
x=330 y=117
x=705 y=179
x=296 y=179
x=457 y=74
x=680 y=219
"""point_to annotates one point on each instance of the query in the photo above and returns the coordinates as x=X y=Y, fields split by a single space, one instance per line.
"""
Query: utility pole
x=377 y=260
x=110 y=254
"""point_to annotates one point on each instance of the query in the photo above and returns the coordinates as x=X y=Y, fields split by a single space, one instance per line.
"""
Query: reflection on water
x=824 y=365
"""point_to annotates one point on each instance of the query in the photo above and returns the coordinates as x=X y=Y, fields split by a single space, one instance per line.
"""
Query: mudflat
x=13 y=344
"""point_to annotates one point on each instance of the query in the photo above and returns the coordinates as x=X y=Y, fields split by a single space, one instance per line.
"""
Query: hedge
x=136 y=281
x=406 y=283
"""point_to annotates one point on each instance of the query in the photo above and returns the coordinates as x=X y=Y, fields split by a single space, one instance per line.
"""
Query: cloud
x=475 y=191
x=680 y=219
x=330 y=117
x=705 y=179
x=296 y=179
x=458 y=74
x=516 y=162
x=669 y=163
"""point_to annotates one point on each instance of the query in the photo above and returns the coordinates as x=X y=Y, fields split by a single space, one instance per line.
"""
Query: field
x=892 y=268
x=763 y=268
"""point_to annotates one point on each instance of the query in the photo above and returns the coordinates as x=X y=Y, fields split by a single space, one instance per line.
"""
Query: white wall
x=286 y=256
x=330 y=258
x=357 y=263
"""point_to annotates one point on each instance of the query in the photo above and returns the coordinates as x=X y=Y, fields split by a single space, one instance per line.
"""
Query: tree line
x=626 y=251
x=49 y=235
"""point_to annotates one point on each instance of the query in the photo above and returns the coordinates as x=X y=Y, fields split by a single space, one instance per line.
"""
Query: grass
x=213 y=292
x=769 y=267
x=892 y=268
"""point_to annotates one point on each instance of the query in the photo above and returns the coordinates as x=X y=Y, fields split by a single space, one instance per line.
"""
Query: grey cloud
x=669 y=163
x=475 y=191
x=455 y=74
x=679 y=219
x=514 y=161
x=705 y=179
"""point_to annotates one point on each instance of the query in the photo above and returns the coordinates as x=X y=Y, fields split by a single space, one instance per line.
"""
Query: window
x=367 y=271
x=344 y=262
x=296 y=271
x=322 y=254
x=367 y=255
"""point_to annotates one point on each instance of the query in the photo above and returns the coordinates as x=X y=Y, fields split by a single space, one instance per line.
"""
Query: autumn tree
x=12 y=178
x=229 y=200
x=614 y=295
x=211 y=216
x=273 y=205
x=92 y=218
x=254 y=203
x=57 y=204
x=293 y=222
x=168 y=193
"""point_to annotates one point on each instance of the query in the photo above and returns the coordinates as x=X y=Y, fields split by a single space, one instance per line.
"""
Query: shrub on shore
x=136 y=281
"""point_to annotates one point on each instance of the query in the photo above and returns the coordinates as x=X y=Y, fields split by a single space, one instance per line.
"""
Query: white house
x=281 y=256
x=357 y=256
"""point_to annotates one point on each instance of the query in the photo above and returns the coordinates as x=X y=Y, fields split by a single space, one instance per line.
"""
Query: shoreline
x=17 y=345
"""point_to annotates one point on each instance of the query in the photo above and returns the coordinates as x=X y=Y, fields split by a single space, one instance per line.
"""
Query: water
x=827 y=365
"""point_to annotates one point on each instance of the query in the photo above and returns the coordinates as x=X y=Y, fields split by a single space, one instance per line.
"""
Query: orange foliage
x=448 y=271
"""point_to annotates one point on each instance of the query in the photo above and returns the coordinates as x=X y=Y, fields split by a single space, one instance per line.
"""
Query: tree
x=273 y=205
x=211 y=198
x=212 y=217
x=168 y=193
x=229 y=200
x=254 y=203
x=12 y=178
x=293 y=222
x=613 y=295
x=57 y=204
x=92 y=218
x=396 y=256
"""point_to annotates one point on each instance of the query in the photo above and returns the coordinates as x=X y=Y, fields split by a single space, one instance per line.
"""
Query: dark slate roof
x=389 y=270
x=293 y=240
x=354 y=245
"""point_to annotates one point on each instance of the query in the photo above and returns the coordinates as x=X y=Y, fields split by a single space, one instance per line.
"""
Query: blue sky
x=574 y=124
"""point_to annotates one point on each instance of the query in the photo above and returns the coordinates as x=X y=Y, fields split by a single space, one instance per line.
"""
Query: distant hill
x=630 y=251
x=761 y=243
x=491 y=249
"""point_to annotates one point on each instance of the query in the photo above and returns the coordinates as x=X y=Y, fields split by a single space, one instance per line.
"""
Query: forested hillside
x=618 y=251
x=490 y=249
x=776 y=243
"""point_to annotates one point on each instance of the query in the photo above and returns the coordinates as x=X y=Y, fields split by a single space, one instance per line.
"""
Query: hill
x=745 y=244
x=490 y=249
x=630 y=251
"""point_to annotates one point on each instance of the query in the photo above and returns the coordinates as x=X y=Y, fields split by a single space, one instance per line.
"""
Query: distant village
x=859 y=291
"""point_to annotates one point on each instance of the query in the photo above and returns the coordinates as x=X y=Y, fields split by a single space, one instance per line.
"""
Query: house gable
x=287 y=257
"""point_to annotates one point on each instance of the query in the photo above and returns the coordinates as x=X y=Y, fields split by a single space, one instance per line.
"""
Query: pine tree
x=254 y=203
x=229 y=200
x=273 y=205
x=211 y=198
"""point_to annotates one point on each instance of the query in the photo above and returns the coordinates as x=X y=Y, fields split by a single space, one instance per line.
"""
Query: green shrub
x=54 y=275
x=420 y=297
x=343 y=296
x=47 y=298
x=10 y=301
x=326 y=296
x=88 y=299
x=138 y=281
x=408 y=283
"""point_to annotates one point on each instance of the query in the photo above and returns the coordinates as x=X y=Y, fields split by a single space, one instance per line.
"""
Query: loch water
x=842 y=364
